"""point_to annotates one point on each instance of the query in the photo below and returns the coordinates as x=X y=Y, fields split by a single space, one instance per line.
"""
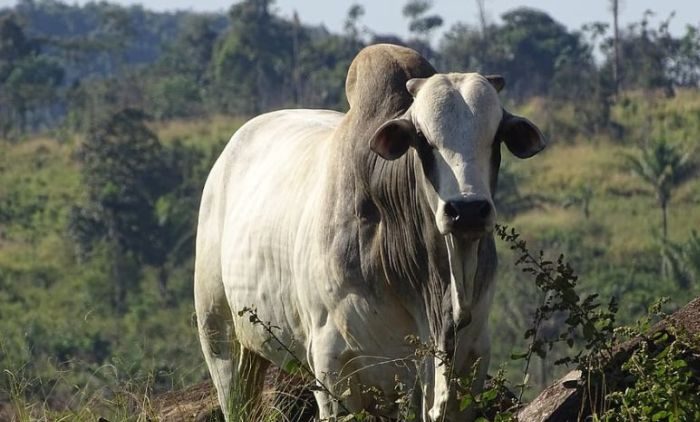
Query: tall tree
x=663 y=167
x=14 y=45
x=481 y=9
x=420 y=23
x=681 y=261
x=251 y=63
x=28 y=80
x=536 y=48
x=124 y=172
x=181 y=80
x=615 y=9
x=684 y=65
x=352 y=23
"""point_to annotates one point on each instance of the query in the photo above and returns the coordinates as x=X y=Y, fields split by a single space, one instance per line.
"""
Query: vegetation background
x=111 y=116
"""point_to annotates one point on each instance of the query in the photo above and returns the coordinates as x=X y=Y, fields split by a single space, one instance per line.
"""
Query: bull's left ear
x=393 y=138
x=521 y=136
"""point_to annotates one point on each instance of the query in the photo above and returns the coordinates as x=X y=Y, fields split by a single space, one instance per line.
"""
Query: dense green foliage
x=111 y=117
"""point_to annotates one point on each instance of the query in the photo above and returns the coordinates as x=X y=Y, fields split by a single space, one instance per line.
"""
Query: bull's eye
x=425 y=152
x=422 y=140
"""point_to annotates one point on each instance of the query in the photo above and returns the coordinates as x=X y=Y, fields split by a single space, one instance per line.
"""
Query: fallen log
x=568 y=399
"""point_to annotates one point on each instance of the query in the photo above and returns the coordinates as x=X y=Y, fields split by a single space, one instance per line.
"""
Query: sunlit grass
x=621 y=203
x=208 y=131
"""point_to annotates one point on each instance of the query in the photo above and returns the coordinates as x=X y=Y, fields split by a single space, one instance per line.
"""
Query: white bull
x=352 y=231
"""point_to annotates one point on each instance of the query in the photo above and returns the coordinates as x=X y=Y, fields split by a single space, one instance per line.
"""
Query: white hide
x=263 y=207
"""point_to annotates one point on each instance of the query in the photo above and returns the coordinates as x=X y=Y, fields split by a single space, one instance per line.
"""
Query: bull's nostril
x=451 y=211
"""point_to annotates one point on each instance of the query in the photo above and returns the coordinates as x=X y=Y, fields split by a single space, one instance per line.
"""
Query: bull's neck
x=411 y=250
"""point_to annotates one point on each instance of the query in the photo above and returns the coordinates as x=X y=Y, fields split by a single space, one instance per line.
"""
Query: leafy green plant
x=657 y=382
x=662 y=391
x=584 y=321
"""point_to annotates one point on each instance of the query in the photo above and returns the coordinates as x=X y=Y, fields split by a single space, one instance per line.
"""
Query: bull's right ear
x=393 y=138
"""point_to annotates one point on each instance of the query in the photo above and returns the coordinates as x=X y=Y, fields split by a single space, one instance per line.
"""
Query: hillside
x=63 y=341
x=112 y=116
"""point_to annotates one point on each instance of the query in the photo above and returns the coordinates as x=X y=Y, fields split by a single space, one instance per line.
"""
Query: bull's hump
x=379 y=74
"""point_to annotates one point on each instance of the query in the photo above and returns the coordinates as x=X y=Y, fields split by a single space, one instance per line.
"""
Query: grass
x=622 y=205
x=207 y=132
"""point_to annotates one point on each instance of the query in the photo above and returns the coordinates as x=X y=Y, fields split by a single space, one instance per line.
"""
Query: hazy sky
x=384 y=16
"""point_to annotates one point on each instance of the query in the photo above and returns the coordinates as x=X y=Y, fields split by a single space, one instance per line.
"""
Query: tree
x=125 y=173
x=663 y=167
x=180 y=80
x=190 y=53
x=251 y=62
x=649 y=51
x=615 y=9
x=464 y=47
x=420 y=24
x=325 y=61
x=685 y=64
x=535 y=45
x=536 y=54
x=14 y=45
x=680 y=262
x=481 y=8
x=28 y=81
x=352 y=21
x=116 y=32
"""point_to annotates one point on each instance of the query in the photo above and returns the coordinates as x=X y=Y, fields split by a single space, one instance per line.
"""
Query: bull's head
x=456 y=125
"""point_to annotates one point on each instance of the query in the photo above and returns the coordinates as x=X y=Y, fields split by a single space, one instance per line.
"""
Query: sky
x=384 y=16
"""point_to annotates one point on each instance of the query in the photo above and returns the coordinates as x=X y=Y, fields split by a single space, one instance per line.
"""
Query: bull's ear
x=393 y=138
x=521 y=136
x=497 y=81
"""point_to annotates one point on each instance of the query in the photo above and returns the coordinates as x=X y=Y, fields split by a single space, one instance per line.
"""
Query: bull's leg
x=479 y=350
x=326 y=372
x=442 y=389
x=216 y=335
x=445 y=406
x=327 y=359
x=214 y=318
x=216 y=338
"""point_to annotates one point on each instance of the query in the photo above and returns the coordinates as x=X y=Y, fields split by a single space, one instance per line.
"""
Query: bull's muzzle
x=467 y=217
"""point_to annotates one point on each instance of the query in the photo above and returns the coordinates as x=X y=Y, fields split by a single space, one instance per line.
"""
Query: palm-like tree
x=664 y=167
x=681 y=261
